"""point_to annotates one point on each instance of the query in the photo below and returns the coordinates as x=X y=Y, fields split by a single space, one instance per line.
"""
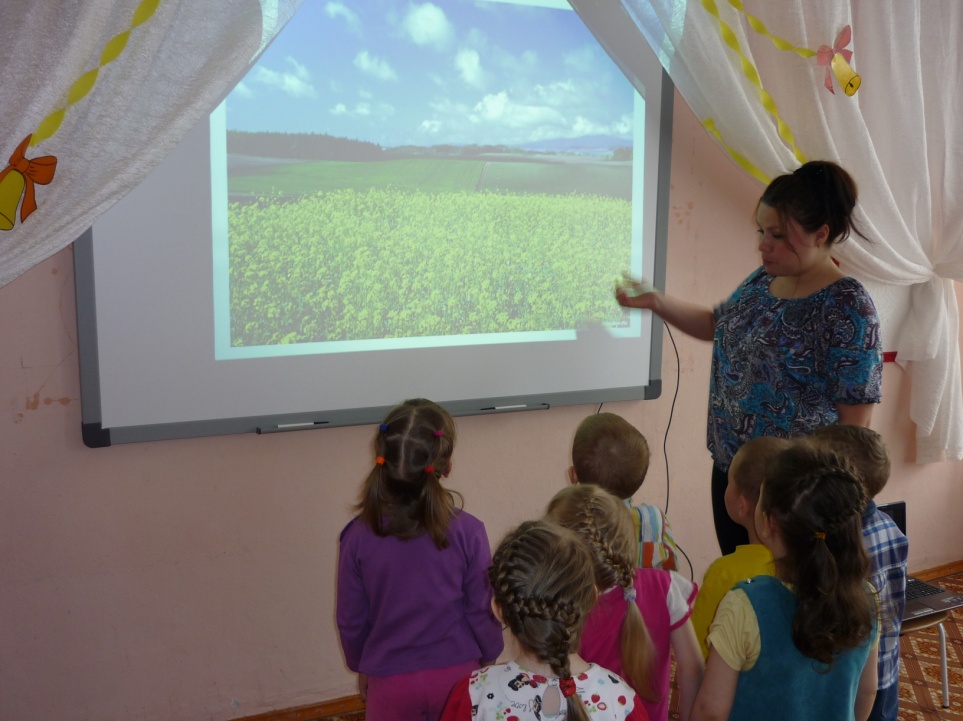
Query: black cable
x=665 y=440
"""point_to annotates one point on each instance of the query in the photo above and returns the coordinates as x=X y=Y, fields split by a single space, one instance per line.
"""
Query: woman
x=797 y=345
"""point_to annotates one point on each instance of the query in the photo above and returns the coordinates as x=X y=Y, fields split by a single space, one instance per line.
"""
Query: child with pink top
x=642 y=614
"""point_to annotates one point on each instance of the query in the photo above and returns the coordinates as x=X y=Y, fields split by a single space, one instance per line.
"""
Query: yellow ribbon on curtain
x=741 y=160
x=760 y=27
x=749 y=70
x=18 y=178
x=837 y=56
x=83 y=85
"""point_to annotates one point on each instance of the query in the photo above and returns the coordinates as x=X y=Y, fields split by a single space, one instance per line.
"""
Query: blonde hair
x=603 y=521
x=402 y=495
x=754 y=456
x=610 y=452
x=541 y=576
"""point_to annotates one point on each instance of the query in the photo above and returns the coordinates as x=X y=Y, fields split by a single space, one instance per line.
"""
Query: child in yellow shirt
x=746 y=472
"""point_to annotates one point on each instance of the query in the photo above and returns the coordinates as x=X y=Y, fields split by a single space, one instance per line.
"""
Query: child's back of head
x=864 y=448
x=749 y=464
x=542 y=578
x=610 y=452
x=815 y=500
x=402 y=495
x=604 y=522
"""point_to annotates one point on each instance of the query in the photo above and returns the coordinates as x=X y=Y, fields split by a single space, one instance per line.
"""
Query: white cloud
x=584 y=126
x=562 y=93
x=476 y=38
x=300 y=70
x=243 y=90
x=469 y=67
x=426 y=25
x=374 y=66
x=340 y=10
x=430 y=126
x=445 y=106
x=296 y=84
x=364 y=109
x=521 y=65
x=585 y=58
x=501 y=110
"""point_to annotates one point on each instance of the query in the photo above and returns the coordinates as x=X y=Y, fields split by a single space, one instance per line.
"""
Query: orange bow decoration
x=33 y=170
x=836 y=58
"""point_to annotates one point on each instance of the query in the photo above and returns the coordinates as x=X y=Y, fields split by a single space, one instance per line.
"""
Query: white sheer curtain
x=754 y=75
x=104 y=89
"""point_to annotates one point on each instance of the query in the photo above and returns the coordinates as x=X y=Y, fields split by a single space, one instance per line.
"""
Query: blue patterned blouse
x=780 y=366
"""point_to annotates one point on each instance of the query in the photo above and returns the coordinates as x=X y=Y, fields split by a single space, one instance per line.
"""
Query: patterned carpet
x=920 y=682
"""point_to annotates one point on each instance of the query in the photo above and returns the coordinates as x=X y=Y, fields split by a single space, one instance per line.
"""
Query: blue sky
x=398 y=72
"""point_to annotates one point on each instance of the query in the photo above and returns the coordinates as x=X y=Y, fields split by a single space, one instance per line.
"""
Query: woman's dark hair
x=816 y=501
x=402 y=495
x=817 y=193
x=542 y=579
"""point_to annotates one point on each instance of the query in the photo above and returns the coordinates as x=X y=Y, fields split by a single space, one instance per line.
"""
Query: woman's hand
x=631 y=293
x=695 y=320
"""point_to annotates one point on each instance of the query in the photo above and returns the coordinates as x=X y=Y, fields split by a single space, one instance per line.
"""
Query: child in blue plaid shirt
x=887 y=548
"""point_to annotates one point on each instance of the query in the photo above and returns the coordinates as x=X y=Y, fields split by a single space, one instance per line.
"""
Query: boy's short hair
x=754 y=456
x=610 y=452
x=864 y=448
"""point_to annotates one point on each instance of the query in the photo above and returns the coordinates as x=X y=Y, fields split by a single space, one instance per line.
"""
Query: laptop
x=922 y=598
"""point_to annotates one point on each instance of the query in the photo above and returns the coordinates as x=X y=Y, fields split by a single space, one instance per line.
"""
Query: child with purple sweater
x=414 y=602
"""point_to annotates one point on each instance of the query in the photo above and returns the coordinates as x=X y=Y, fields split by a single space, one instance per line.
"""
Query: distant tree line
x=318 y=146
x=302 y=146
x=452 y=151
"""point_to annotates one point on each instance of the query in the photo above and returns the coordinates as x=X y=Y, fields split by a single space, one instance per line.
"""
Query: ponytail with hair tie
x=403 y=495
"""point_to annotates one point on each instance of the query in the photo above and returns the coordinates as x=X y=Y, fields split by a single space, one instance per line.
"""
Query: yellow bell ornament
x=18 y=179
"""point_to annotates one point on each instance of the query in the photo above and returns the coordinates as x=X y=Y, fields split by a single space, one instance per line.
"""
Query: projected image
x=409 y=174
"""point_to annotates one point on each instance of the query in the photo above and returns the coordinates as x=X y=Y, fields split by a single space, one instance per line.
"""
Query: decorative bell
x=849 y=81
x=11 y=190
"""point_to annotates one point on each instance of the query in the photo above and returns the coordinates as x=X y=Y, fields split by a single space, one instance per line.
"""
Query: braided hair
x=816 y=501
x=604 y=522
x=402 y=495
x=542 y=580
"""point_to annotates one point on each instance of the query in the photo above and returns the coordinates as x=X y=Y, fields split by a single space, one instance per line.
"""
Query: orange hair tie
x=380 y=460
x=820 y=536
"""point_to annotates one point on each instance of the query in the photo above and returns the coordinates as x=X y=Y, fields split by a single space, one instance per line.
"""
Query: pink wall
x=192 y=579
